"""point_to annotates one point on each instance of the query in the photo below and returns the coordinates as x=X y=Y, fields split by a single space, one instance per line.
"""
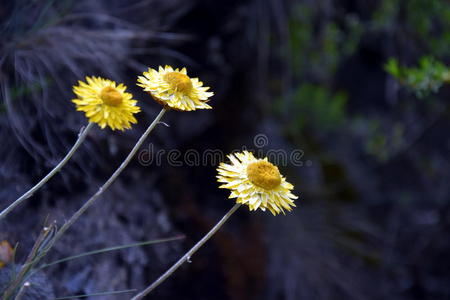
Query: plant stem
x=111 y=179
x=188 y=254
x=44 y=250
x=39 y=252
x=22 y=290
x=33 y=257
x=81 y=136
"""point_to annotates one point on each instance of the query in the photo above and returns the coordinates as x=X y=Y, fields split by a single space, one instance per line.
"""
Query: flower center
x=264 y=174
x=111 y=96
x=178 y=81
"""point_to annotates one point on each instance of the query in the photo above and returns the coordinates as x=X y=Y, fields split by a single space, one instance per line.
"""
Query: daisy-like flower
x=175 y=89
x=106 y=103
x=256 y=183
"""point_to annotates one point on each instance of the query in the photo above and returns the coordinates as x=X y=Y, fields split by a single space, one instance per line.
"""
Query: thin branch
x=31 y=260
x=39 y=251
x=81 y=137
x=188 y=255
x=111 y=179
x=105 y=186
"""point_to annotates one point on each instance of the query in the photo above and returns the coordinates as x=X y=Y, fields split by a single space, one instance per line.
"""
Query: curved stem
x=188 y=254
x=42 y=250
x=111 y=179
x=82 y=135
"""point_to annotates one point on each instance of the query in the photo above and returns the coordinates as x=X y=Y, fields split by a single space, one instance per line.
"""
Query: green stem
x=55 y=170
x=188 y=254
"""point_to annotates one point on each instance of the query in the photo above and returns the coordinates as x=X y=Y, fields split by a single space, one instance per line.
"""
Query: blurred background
x=358 y=87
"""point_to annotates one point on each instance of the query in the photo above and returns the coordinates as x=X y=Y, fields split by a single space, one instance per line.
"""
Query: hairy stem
x=82 y=135
x=20 y=278
x=111 y=179
x=44 y=250
x=188 y=254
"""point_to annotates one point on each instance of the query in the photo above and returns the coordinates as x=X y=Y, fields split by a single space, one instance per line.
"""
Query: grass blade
x=95 y=294
x=114 y=248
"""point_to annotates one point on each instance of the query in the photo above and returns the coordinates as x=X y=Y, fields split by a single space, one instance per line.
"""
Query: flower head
x=6 y=253
x=256 y=182
x=106 y=103
x=175 y=89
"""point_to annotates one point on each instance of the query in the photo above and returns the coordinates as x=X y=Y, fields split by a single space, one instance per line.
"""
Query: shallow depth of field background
x=373 y=217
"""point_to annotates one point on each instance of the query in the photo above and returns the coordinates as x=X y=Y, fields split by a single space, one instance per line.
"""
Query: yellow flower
x=106 y=103
x=175 y=89
x=256 y=183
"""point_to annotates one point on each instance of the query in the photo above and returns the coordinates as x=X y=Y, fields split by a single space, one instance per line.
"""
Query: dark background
x=373 y=217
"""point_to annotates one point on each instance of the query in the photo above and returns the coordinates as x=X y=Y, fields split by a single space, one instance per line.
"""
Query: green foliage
x=384 y=16
x=25 y=90
x=316 y=107
x=318 y=52
x=380 y=141
x=430 y=19
x=316 y=55
x=426 y=21
x=424 y=79
x=300 y=35
x=320 y=42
